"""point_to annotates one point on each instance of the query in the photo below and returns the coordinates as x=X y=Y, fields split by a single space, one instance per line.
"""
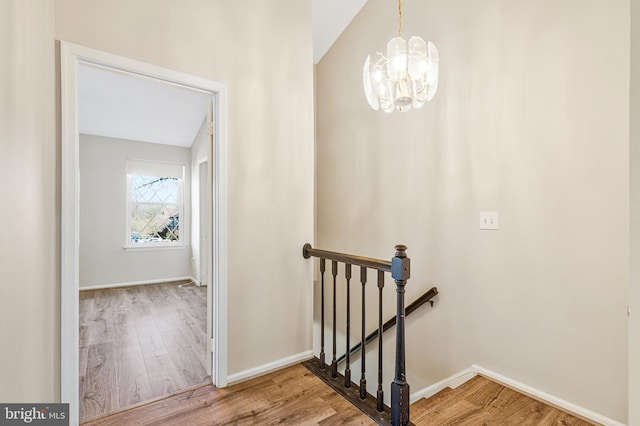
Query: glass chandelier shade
x=406 y=78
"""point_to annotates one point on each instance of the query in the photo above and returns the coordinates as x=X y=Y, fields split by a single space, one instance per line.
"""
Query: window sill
x=150 y=247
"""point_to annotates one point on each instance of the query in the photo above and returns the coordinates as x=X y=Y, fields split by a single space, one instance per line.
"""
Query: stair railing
x=425 y=298
x=400 y=269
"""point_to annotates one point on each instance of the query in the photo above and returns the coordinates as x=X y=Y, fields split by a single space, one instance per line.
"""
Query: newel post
x=400 y=272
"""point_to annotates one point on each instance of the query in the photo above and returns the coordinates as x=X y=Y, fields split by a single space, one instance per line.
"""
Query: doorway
x=72 y=57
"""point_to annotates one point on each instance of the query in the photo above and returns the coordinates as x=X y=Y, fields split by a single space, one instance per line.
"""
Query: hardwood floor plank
x=506 y=403
x=100 y=388
x=531 y=414
x=98 y=331
x=189 y=366
x=424 y=406
x=190 y=316
x=459 y=413
x=485 y=395
x=103 y=303
x=124 y=331
x=124 y=324
x=87 y=309
x=557 y=417
x=144 y=324
x=347 y=416
x=82 y=364
x=163 y=376
x=156 y=412
x=164 y=319
x=173 y=339
x=152 y=345
x=84 y=335
x=160 y=297
x=132 y=378
x=86 y=295
x=482 y=401
x=192 y=333
x=132 y=320
x=139 y=303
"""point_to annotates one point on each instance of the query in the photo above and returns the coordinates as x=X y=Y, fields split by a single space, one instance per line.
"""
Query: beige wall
x=531 y=119
x=29 y=288
x=262 y=51
x=634 y=295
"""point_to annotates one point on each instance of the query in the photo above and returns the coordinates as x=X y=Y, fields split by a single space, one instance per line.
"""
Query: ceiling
x=120 y=105
x=125 y=106
x=330 y=18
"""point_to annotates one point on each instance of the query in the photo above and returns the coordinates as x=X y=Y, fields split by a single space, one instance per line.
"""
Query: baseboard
x=269 y=367
x=452 y=381
x=460 y=377
x=545 y=397
x=134 y=283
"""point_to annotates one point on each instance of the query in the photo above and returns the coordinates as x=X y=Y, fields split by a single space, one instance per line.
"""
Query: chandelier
x=406 y=78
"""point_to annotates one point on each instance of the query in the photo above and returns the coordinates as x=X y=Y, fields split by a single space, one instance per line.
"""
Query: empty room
x=143 y=221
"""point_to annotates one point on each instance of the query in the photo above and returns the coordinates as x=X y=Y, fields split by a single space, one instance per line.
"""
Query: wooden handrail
x=368 y=262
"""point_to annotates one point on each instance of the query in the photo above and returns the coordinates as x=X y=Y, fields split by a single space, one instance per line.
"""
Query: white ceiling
x=330 y=18
x=125 y=106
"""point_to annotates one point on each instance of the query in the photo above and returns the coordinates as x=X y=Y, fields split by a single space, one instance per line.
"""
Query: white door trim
x=71 y=55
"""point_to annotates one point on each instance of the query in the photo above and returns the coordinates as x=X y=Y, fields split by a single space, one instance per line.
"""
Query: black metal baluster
x=322 y=269
x=380 y=395
x=347 y=371
x=400 y=271
x=363 y=352
x=334 y=364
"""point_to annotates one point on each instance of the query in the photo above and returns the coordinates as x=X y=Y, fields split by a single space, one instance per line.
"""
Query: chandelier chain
x=399 y=18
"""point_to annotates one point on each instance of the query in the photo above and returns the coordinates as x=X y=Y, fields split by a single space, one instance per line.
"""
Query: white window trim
x=155 y=246
x=179 y=244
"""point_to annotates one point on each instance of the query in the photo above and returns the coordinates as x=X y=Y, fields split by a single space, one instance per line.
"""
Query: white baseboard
x=545 y=397
x=134 y=283
x=452 y=381
x=269 y=367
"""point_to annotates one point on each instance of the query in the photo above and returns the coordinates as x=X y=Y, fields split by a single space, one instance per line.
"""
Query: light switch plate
x=489 y=220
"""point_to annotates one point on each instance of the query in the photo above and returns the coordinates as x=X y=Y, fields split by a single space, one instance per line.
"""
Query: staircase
x=399 y=267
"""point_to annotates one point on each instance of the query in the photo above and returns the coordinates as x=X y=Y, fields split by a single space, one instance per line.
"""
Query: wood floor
x=481 y=401
x=140 y=343
x=294 y=396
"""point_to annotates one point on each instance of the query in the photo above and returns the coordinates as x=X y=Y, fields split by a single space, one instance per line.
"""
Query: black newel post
x=400 y=272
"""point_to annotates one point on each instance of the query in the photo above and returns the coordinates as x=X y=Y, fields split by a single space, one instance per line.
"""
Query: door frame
x=71 y=55
x=199 y=164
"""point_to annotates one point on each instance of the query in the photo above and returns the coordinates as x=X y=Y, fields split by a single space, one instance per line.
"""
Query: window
x=155 y=206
